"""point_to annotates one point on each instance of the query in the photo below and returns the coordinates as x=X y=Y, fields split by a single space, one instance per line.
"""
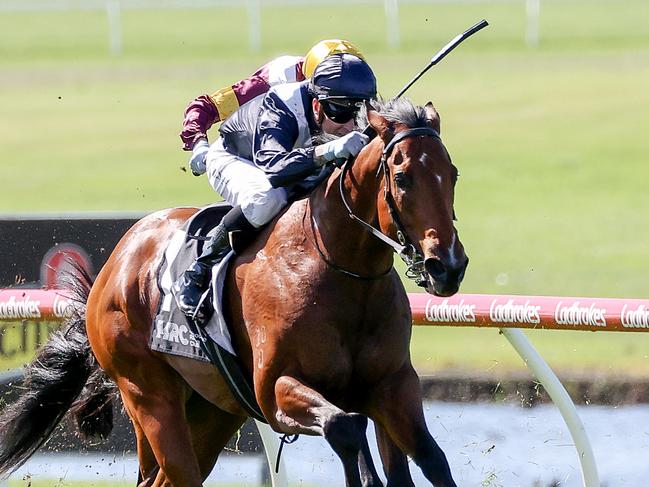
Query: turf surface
x=550 y=141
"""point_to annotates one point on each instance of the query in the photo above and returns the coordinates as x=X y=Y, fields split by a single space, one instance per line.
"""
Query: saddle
x=176 y=334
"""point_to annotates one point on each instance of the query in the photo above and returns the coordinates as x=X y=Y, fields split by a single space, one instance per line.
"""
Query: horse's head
x=420 y=185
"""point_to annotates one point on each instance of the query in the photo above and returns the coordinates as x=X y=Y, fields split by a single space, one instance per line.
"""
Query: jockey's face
x=327 y=125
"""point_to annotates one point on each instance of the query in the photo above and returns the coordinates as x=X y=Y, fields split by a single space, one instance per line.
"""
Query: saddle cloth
x=176 y=334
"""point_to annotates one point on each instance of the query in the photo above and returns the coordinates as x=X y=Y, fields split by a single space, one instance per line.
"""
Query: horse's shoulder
x=287 y=226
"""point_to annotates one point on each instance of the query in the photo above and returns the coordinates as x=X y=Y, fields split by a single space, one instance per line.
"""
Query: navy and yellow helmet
x=324 y=49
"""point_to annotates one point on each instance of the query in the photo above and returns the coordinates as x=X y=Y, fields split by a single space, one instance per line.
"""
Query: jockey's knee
x=263 y=206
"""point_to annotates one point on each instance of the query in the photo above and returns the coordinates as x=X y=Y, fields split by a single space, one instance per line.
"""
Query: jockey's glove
x=197 y=160
x=346 y=146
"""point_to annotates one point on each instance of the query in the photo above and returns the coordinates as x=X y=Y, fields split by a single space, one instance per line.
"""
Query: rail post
x=269 y=439
x=561 y=399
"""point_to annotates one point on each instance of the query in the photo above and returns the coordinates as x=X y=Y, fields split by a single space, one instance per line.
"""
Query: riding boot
x=189 y=288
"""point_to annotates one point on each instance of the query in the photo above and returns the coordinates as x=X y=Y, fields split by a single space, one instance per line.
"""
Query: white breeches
x=242 y=183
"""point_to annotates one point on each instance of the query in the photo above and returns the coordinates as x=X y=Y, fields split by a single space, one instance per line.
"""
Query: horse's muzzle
x=444 y=278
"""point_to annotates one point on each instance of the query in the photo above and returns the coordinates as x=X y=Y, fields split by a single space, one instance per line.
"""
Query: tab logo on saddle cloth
x=177 y=334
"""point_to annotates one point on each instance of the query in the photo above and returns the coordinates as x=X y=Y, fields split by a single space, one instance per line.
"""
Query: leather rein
x=405 y=248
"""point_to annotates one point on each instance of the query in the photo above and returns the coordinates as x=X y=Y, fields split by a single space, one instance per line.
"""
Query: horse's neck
x=344 y=240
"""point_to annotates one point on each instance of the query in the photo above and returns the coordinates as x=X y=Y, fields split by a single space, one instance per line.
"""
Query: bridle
x=404 y=247
x=406 y=250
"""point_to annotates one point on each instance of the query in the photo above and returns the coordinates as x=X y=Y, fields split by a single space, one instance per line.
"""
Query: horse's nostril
x=435 y=268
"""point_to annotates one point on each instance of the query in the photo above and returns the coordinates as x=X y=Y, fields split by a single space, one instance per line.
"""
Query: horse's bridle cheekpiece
x=404 y=248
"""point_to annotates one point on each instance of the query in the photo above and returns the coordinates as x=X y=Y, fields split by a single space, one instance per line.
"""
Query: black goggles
x=341 y=110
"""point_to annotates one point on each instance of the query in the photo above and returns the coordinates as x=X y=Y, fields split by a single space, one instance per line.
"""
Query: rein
x=329 y=262
x=404 y=248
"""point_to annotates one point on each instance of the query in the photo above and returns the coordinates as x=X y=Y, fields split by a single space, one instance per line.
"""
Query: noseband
x=404 y=247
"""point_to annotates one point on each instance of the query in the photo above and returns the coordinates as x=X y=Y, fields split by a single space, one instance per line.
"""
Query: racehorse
x=317 y=314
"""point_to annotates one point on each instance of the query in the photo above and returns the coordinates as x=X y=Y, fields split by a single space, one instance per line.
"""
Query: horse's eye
x=402 y=180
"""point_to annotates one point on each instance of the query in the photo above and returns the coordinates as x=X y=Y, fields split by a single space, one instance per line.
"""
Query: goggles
x=341 y=110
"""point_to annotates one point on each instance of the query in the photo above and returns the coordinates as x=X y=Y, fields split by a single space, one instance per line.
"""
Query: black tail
x=64 y=376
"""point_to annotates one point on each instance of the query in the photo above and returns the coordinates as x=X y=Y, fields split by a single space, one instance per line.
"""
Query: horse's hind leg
x=211 y=429
x=395 y=462
x=302 y=410
x=149 y=470
x=148 y=467
x=154 y=396
x=403 y=420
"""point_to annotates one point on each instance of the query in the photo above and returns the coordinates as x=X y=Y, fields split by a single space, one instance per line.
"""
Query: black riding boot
x=189 y=288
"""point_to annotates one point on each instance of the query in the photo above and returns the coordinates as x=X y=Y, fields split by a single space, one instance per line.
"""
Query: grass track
x=550 y=142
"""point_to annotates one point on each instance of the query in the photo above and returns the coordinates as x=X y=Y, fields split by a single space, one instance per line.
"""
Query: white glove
x=346 y=146
x=197 y=161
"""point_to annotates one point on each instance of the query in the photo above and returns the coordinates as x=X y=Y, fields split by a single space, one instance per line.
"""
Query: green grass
x=569 y=353
x=550 y=142
x=19 y=340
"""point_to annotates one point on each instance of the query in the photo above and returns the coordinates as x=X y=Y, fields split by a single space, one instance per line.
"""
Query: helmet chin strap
x=405 y=248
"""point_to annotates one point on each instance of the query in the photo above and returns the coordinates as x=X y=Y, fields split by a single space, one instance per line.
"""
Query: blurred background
x=545 y=113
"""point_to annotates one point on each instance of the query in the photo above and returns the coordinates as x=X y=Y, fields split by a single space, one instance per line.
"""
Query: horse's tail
x=63 y=377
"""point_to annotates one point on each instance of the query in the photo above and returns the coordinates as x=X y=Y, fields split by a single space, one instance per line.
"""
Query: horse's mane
x=397 y=110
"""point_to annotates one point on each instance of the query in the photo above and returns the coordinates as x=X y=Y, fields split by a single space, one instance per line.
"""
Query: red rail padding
x=34 y=304
x=543 y=312
x=482 y=310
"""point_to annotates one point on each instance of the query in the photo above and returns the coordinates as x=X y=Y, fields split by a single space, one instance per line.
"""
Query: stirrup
x=189 y=296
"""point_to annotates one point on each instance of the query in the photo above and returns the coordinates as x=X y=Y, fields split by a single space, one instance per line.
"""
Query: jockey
x=265 y=155
x=206 y=110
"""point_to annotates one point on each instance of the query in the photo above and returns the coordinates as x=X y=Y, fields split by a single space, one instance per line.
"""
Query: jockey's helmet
x=343 y=77
x=341 y=83
x=323 y=49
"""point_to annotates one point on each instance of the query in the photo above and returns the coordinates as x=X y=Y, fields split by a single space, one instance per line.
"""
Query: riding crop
x=441 y=54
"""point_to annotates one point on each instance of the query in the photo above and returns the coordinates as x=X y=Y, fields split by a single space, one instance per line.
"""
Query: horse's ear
x=380 y=125
x=432 y=117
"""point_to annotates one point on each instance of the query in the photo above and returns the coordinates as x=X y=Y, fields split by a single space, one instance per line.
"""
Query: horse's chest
x=337 y=357
x=331 y=336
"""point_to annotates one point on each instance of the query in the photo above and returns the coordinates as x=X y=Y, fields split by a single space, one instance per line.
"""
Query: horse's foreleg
x=301 y=410
x=397 y=407
x=395 y=462
x=369 y=475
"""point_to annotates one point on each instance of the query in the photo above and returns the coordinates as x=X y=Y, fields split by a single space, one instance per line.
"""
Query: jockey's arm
x=274 y=145
x=200 y=115
x=274 y=148
x=206 y=110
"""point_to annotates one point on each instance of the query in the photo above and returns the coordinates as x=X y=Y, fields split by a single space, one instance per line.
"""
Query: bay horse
x=318 y=316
